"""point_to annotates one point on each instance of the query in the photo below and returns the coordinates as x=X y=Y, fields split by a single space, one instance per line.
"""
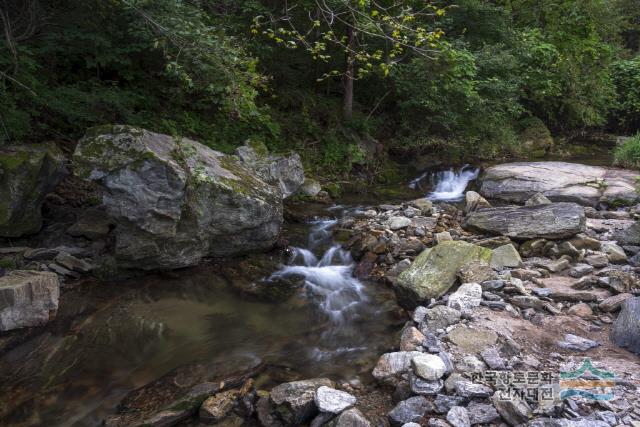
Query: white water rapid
x=448 y=185
x=329 y=279
x=329 y=283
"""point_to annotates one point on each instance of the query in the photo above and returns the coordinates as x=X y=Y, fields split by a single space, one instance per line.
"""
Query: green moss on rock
x=434 y=271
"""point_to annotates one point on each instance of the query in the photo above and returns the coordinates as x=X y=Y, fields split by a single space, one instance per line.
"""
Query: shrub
x=628 y=154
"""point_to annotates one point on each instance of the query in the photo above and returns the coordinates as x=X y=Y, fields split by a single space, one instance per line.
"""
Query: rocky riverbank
x=505 y=303
x=499 y=299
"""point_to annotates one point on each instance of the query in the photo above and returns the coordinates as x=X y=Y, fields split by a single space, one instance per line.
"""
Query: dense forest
x=342 y=81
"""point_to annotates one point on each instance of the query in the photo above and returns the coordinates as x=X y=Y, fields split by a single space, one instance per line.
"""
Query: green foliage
x=456 y=78
x=165 y=65
x=628 y=154
x=626 y=75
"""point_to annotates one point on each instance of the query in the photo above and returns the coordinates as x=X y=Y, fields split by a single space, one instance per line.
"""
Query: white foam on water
x=449 y=185
x=328 y=279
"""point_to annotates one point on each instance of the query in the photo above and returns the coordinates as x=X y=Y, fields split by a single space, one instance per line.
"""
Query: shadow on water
x=110 y=338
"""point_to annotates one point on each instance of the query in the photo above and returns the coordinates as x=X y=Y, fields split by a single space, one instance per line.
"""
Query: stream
x=302 y=313
x=111 y=338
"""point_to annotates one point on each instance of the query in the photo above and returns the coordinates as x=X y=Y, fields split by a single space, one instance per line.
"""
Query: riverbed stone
x=558 y=181
x=392 y=365
x=434 y=271
x=580 y=270
x=176 y=201
x=458 y=416
x=472 y=339
x=443 y=403
x=411 y=339
x=476 y=272
x=350 y=418
x=423 y=387
x=398 y=222
x=577 y=343
x=27 y=298
x=512 y=409
x=554 y=221
x=410 y=410
x=27 y=173
x=505 y=256
x=334 y=401
x=428 y=366
x=440 y=317
x=626 y=328
x=614 y=302
x=466 y=297
x=482 y=413
x=615 y=253
x=218 y=406
x=597 y=260
x=469 y=389
x=294 y=401
x=474 y=201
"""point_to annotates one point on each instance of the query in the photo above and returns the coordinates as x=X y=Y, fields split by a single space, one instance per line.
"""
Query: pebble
x=576 y=343
x=482 y=413
x=580 y=270
x=334 y=401
x=428 y=366
x=492 y=358
x=410 y=410
x=469 y=389
x=467 y=297
x=458 y=417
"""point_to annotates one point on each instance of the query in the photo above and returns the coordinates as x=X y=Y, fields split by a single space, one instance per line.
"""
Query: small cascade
x=328 y=279
x=447 y=185
x=329 y=282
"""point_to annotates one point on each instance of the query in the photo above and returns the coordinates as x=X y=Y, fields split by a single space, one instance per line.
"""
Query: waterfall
x=328 y=279
x=448 y=185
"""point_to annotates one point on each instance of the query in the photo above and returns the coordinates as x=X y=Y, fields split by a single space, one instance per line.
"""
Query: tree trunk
x=347 y=102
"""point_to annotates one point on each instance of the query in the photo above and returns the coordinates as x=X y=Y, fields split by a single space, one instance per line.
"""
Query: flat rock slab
x=559 y=288
x=554 y=221
x=27 y=298
x=560 y=182
x=473 y=340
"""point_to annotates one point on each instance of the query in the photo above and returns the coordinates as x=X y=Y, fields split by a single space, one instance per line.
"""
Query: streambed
x=111 y=338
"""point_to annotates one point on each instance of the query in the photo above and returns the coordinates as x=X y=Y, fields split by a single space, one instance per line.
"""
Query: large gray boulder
x=175 y=201
x=27 y=173
x=560 y=182
x=626 y=328
x=283 y=172
x=553 y=221
x=294 y=403
x=434 y=271
x=27 y=298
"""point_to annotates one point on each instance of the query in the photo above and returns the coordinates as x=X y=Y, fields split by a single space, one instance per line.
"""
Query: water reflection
x=109 y=339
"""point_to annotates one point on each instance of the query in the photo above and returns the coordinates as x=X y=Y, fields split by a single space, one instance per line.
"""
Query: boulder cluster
x=129 y=199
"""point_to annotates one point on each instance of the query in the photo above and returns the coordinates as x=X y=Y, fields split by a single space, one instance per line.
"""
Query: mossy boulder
x=176 y=201
x=434 y=271
x=27 y=173
x=535 y=138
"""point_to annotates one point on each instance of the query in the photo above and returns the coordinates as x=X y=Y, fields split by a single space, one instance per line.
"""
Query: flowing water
x=446 y=185
x=110 y=338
